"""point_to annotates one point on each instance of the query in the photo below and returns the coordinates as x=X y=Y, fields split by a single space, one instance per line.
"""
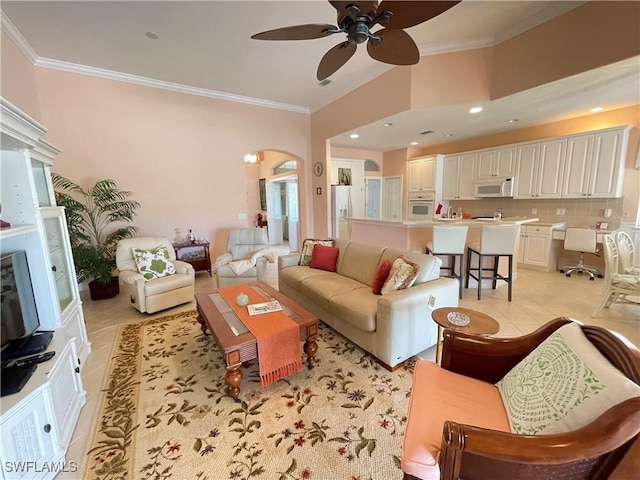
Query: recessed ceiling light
x=387 y=124
x=449 y=135
x=152 y=35
x=414 y=143
x=354 y=135
x=596 y=109
x=513 y=120
x=475 y=110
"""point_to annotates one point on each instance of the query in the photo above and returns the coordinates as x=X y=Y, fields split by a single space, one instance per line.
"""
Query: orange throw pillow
x=380 y=276
x=324 y=258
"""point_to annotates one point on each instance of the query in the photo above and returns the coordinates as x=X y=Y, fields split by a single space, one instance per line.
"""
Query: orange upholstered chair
x=459 y=427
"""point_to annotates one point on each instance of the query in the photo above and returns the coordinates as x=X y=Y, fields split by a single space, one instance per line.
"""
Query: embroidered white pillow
x=402 y=275
x=562 y=385
x=153 y=263
x=307 y=249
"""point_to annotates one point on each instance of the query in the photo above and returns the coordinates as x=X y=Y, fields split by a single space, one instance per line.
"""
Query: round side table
x=479 y=324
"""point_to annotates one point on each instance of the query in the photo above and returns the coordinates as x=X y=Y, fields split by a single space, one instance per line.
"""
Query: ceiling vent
x=325 y=82
x=426 y=132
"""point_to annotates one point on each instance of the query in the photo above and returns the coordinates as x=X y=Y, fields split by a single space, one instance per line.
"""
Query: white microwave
x=498 y=187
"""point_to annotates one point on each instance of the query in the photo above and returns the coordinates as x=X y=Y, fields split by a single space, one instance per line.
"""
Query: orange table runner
x=278 y=336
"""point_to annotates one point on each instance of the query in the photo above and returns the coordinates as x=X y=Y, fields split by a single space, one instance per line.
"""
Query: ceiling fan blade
x=363 y=6
x=297 y=32
x=408 y=14
x=396 y=47
x=334 y=59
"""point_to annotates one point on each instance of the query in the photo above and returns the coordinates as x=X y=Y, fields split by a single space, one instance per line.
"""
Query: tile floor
x=537 y=298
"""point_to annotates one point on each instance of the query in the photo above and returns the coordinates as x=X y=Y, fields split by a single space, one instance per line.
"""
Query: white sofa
x=392 y=327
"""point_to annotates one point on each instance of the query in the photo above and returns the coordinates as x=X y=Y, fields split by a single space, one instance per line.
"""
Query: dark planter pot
x=102 y=291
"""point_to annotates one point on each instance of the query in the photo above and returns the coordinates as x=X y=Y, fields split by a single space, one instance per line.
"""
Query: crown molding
x=454 y=47
x=14 y=34
x=175 y=87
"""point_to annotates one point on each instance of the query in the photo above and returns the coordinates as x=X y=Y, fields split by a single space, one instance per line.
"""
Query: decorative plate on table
x=458 y=319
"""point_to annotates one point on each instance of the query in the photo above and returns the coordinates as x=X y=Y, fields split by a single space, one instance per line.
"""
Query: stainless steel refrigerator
x=347 y=201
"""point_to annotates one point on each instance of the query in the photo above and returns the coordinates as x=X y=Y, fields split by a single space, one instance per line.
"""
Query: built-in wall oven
x=420 y=206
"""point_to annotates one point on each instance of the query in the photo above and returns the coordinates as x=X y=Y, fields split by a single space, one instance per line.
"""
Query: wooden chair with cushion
x=459 y=426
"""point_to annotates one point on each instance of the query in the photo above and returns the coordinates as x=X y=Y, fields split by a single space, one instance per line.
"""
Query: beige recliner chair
x=246 y=257
x=149 y=296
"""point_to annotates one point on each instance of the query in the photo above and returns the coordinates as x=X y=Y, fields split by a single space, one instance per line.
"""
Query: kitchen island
x=414 y=236
x=408 y=235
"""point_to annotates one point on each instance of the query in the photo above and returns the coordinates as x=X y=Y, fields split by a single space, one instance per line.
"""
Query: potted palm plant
x=91 y=215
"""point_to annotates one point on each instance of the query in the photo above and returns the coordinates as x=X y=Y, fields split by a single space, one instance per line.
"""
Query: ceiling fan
x=391 y=44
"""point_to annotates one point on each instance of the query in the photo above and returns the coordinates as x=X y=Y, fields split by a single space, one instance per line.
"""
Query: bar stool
x=495 y=241
x=450 y=241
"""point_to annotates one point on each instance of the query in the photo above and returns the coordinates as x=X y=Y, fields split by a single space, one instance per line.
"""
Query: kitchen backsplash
x=577 y=212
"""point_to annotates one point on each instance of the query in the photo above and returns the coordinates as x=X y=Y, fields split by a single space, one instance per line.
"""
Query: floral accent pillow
x=153 y=263
x=402 y=275
x=307 y=249
x=562 y=385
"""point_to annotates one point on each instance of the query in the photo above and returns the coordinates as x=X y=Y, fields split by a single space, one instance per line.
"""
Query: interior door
x=392 y=197
x=373 y=195
x=293 y=213
x=274 y=214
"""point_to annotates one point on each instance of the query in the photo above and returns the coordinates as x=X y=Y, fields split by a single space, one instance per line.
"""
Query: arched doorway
x=275 y=179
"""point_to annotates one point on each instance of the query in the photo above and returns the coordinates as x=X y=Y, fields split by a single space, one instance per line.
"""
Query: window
x=285 y=167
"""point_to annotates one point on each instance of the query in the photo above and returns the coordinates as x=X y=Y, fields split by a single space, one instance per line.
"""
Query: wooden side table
x=196 y=254
x=480 y=324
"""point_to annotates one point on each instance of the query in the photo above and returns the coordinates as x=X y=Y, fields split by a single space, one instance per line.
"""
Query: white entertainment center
x=36 y=424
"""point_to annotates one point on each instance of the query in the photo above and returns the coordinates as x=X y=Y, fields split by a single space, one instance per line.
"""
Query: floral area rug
x=165 y=413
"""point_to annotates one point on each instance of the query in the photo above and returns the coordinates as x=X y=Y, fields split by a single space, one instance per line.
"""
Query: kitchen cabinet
x=537 y=249
x=499 y=162
x=595 y=164
x=422 y=174
x=539 y=169
x=37 y=422
x=459 y=176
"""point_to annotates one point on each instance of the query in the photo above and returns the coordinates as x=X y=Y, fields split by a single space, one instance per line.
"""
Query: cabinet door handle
x=54 y=269
x=77 y=369
x=47 y=428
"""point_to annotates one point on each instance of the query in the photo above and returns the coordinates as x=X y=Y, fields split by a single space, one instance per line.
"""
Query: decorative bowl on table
x=458 y=319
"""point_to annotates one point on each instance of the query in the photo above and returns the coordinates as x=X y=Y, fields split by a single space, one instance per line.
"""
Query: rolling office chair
x=581 y=240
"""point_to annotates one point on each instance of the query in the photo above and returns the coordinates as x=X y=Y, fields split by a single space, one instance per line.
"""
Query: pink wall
x=182 y=155
x=17 y=79
x=587 y=37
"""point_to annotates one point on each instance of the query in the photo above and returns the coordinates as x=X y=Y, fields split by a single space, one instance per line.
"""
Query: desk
x=480 y=324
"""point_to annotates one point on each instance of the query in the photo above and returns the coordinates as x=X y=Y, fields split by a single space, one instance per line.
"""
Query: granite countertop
x=464 y=221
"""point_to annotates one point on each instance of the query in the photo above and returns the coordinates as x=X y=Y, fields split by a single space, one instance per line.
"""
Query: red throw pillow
x=380 y=276
x=324 y=258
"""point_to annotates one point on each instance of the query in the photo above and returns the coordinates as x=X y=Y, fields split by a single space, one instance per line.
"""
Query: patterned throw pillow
x=307 y=249
x=153 y=263
x=562 y=385
x=402 y=275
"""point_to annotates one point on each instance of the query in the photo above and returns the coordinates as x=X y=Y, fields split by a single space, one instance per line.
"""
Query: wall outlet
x=432 y=302
x=242 y=216
x=607 y=212
x=559 y=211
x=534 y=211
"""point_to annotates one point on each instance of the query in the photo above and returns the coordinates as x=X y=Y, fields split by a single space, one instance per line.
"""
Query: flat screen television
x=18 y=314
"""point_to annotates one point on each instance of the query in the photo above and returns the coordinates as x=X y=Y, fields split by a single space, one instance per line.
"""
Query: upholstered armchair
x=162 y=283
x=460 y=426
x=246 y=257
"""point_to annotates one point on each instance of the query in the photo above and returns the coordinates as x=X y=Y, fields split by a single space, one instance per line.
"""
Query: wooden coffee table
x=480 y=324
x=237 y=343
